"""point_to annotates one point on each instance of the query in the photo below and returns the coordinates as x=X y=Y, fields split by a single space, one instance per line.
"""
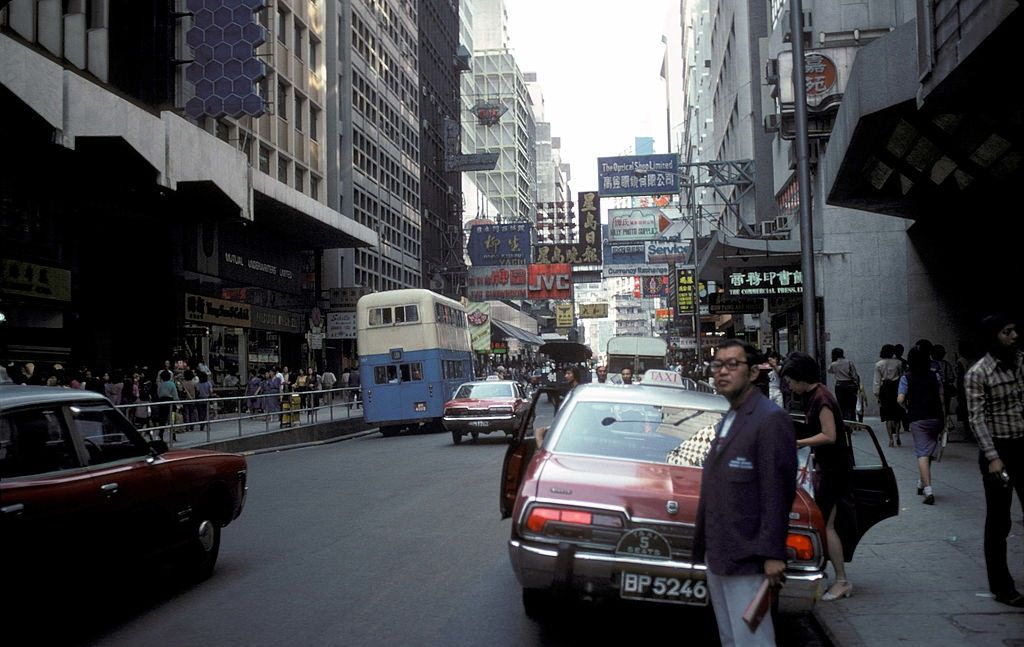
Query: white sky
x=598 y=63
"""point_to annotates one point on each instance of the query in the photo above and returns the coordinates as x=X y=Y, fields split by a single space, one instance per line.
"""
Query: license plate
x=479 y=423
x=677 y=590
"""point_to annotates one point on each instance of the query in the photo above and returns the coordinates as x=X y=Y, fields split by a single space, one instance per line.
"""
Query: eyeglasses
x=730 y=364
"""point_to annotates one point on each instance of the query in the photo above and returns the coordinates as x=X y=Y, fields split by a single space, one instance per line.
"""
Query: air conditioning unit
x=782 y=222
x=767 y=227
x=771 y=71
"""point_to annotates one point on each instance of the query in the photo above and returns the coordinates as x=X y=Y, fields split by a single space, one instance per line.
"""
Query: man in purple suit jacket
x=747 y=491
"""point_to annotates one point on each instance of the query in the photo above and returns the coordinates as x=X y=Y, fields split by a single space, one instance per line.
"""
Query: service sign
x=593 y=310
x=667 y=252
x=501 y=244
x=549 y=281
x=588 y=250
x=638 y=175
x=495 y=283
x=763 y=281
x=620 y=271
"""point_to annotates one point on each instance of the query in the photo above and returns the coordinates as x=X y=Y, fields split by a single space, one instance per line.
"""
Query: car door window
x=34 y=442
x=107 y=436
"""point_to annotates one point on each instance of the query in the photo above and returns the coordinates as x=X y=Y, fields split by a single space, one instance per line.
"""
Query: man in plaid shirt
x=995 y=400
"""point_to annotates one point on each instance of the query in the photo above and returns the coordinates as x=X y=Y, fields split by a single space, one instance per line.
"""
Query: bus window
x=417 y=371
x=380 y=317
x=399 y=315
x=406 y=374
x=412 y=313
x=385 y=375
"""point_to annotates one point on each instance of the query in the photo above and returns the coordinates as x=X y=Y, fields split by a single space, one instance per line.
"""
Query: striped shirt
x=995 y=400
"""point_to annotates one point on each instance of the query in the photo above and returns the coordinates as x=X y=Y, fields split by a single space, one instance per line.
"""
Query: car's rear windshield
x=644 y=432
x=484 y=391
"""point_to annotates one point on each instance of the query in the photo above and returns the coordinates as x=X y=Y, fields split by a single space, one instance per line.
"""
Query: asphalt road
x=377 y=541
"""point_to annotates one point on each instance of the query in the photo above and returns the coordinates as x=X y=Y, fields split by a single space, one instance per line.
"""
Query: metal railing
x=252 y=414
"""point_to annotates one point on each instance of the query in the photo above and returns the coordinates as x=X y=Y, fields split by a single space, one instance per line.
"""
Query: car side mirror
x=158 y=446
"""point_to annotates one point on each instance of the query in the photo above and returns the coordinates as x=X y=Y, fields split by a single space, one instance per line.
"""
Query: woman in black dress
x=888 y=371
x=826 y=436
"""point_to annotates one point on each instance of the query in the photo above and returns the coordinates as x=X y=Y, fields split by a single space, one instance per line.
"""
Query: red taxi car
x=84 y=498
x=606 y=505
x=484 y=407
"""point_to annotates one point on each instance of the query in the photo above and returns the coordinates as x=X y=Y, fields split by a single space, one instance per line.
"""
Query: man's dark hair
x=888 y=351
x=837 y=353
x=801 y=367
x=754 y=356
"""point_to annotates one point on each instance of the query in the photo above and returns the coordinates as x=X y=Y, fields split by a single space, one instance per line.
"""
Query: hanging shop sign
x=764 y=281
x=279 y=320
x=494 y=283
x=633 y=224
x=638 y=175
x=501 y=244
x=720 y=304
x=32 y=280
x=217 y=311
x=588 y=249
x=667 y=252
x=663 y=314
x=478 y=315
x=499 y=347
x=346 y=297
x=620 y=271
x=549 y=281
x=563 y=315
x=593 y=310
x=684 y=290
x=341 y=325
x=655 y=287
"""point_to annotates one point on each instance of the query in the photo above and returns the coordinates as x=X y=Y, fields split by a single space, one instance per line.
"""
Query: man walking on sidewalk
x=995 y=400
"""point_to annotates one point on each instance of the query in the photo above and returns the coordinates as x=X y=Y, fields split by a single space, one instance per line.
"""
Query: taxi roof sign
x=663 y=376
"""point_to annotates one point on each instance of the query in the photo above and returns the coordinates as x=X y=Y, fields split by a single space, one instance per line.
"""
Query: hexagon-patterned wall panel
x=225 y=71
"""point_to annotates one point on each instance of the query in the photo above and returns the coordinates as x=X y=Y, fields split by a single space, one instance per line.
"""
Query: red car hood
x=642 y=489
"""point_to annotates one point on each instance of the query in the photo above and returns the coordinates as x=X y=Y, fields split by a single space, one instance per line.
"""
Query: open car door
x=520 y=450
x=874 y=493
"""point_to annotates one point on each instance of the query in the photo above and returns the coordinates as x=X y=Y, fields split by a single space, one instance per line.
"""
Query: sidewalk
x=919 y=578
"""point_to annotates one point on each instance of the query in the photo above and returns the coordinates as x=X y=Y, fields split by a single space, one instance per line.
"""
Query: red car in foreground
x=605 y=506
x=86 y=501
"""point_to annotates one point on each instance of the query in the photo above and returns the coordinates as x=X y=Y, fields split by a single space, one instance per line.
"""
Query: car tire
x=203 y=548
x=388 y=431
x=457 y=437
x=536 y=603
x=475 y=435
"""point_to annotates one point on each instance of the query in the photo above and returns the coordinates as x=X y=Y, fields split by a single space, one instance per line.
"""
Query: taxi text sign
x=764 y=281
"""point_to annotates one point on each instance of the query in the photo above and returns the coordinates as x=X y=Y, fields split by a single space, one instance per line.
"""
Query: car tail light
x=540 y=515
x=803 y=550
x=501 y=409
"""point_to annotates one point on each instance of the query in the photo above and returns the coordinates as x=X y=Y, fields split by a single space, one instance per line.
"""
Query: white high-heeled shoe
x=845 y=592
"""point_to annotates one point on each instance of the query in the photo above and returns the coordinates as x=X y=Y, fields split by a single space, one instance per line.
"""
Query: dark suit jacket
x=747 y=490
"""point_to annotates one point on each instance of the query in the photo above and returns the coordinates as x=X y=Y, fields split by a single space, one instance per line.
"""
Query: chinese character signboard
x=549 y=281
x=638 y=175
x=493 y=283
x=663 y=314
x=588 y=250
x=763 y=281
x=633 y=224
x=563 y=315
x=504 y=244
x=684 y=290
x=40 y=281
x=593 y=310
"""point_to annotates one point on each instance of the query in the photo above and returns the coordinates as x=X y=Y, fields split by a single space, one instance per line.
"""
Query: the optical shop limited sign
x=763 y=281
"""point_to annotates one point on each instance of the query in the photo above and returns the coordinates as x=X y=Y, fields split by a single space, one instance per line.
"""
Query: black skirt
x=887 y=394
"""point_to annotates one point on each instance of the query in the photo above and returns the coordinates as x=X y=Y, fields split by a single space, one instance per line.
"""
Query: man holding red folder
x=747 y=491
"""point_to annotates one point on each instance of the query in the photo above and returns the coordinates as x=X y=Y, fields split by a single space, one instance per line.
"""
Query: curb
x=312 y=443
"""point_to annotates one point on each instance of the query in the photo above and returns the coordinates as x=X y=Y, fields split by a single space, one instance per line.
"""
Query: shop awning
x=517 y=333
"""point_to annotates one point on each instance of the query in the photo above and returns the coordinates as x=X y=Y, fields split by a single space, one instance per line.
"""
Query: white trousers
x=730 y=595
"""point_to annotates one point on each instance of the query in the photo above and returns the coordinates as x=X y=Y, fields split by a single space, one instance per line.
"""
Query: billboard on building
x=563 y=315
x=478 y=315
x=655 y=287
x=657 y=251
x=764 y=281
x=638 y=175
x=593 y=310
x=588 y=249
x=501 y=244
x=493 y=283
x=549 y=281
x=626 y=225
x=641 y=269
x=684 y=290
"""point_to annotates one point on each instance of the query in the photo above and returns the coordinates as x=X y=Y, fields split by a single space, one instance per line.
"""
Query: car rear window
x=644 y=432
x=484 y=391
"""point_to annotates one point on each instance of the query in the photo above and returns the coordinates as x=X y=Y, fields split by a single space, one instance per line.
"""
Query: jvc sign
x=549 y=281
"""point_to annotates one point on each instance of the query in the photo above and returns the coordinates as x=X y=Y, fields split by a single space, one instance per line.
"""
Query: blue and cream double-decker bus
x=414 y=351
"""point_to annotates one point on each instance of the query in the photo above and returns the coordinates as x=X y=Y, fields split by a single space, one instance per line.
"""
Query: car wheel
x=536 y=602
x=457 y=437
x=204 y=547
x=475 y=435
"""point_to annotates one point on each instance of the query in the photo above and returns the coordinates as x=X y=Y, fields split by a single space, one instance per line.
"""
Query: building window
x=314 y=53
x=314 y=187
x=282 y=168
x=314 y=120
x=300 y=109
x=282 y=100
x=265 y=160
x=300 y=179
x=282 y=26
x=297 y=45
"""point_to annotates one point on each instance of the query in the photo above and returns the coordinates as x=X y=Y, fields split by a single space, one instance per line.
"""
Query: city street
x=378 y=541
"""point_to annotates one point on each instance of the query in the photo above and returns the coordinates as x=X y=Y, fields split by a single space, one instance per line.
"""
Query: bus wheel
x=388 y=431
x=457 y=437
